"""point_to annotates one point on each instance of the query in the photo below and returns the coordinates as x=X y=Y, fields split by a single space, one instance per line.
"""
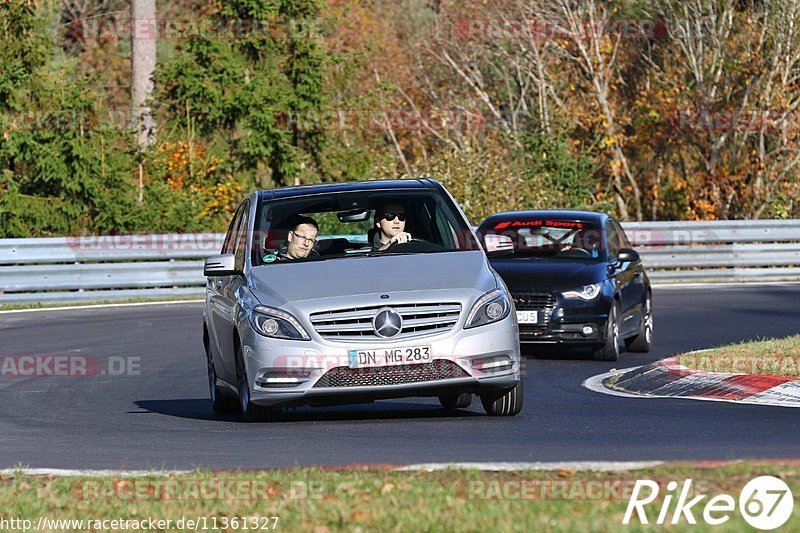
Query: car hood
x=354 y=276
x=525 y=274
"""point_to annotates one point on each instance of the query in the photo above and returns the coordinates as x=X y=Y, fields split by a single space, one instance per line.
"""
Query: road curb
x=669 y=379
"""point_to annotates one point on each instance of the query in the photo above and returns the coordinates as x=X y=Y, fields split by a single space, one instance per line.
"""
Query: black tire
x=456 y=401
x=643 y=341
x=504 y=403
x=250 y=411
x=220 y=403
x=610 y=350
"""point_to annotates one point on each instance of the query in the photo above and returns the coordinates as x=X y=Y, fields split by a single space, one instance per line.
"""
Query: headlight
x=491 y=307
x=272 y=322
x=587 y=292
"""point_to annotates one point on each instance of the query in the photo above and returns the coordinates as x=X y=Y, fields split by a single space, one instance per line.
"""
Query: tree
x=729 y=80
x=143 y=63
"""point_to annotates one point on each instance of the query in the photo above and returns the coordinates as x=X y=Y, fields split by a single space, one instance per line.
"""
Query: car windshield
x=552 y=238
x=347 y=225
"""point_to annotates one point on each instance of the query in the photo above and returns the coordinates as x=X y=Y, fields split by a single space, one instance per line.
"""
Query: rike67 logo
x=765 y=503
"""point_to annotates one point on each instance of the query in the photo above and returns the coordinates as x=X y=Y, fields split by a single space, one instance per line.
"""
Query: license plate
x=528 y=317
x=389 y=356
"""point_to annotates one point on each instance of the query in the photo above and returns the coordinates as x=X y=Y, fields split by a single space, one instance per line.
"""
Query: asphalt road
x=161 y=417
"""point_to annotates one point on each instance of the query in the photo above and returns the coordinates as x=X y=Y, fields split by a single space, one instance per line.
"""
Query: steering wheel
x=581 y=250
x=414 y=245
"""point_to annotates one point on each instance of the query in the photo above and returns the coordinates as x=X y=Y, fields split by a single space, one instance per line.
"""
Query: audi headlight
x=491 y=307
x=586 y=293
x=272 y=322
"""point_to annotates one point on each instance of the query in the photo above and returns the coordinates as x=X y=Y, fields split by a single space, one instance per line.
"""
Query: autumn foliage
x=649 y=110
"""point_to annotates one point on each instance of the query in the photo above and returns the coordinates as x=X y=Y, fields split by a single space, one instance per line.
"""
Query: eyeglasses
x=388 y=217
x=307 y=240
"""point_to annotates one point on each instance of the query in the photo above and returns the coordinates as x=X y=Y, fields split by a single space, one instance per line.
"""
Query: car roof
x=558 y=214
x=348 y=186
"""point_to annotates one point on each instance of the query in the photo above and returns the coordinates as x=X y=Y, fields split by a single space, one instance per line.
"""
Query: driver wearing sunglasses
x=390 y=221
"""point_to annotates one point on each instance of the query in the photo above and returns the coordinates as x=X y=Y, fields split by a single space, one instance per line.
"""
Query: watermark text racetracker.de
x=778 y=365
x=208 y=243
x=171 y=489
x=742 y=120
x=131 y=29
x=382 y=119
x=549 y=29
x=367 y=362
x=607 y=489
x=67 y=365
x=184 y=523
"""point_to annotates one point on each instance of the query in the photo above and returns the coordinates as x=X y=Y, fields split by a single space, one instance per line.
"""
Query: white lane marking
x=62 y=472
x=766 y=398
x=99 y=306
x=594 y=466
x=711 y=285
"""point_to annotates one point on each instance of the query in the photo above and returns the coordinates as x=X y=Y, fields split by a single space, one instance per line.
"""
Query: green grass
x=381 y=500
x=779 y=357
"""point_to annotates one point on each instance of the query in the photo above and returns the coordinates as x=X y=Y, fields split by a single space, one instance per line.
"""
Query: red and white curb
x=668 y=379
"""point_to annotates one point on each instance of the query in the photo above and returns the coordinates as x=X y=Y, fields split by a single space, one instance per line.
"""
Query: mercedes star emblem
x=387 y=323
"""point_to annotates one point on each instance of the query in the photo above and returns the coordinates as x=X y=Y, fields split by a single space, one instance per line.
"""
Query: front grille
x=533 y=300
x=343 y=376
x=355 y=324
x=543 y=302
x=532 y=330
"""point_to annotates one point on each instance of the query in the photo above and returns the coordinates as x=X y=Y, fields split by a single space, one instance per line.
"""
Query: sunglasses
x=388 y=217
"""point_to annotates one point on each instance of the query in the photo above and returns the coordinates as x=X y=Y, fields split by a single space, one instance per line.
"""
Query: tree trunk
x=143 y=59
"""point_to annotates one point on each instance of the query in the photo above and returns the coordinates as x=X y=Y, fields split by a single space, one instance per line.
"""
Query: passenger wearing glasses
x=300 y=241
x=390 y=222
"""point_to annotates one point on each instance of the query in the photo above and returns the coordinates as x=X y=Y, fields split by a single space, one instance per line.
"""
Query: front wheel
x=505 y=403
x=220 y=403
x=456 y=401
x=250 y=411
x=644 y=339
x=610 y=350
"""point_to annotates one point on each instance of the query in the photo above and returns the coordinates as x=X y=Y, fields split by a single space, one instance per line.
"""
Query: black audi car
x=575 y=280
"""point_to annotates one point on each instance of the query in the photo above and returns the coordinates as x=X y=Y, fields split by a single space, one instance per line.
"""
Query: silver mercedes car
x=353 y=292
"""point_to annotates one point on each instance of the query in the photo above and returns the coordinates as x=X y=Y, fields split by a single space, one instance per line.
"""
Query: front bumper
x=585 y=331
x=561 y=321
x=317 y=372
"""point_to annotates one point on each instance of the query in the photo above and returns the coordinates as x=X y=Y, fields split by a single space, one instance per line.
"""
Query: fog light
x=492 y=364
x=282 y=379
x=587 y=331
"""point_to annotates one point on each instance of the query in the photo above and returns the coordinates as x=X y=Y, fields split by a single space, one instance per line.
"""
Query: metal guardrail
x=713 y=251
x=104 y=268
x=107 y=268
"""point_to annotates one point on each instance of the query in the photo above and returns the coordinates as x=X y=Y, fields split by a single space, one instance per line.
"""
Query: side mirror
x=220 y=265
x=626 y=255
x=498 y=245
